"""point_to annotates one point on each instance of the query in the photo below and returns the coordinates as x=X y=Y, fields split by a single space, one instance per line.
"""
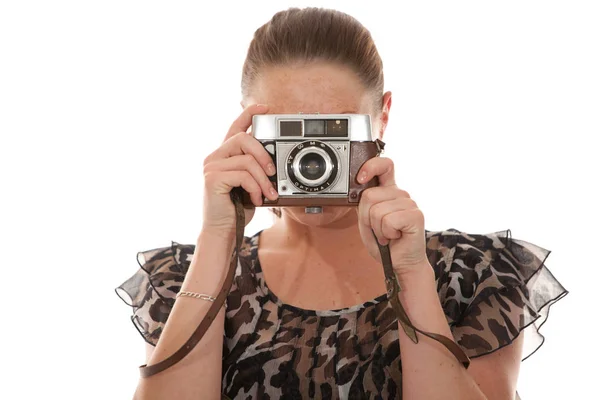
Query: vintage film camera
x=316 y=156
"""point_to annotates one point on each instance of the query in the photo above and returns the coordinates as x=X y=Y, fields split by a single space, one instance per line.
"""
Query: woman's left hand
x=393 y=216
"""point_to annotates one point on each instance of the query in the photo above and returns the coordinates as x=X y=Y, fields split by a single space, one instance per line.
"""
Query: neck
x=339 y=237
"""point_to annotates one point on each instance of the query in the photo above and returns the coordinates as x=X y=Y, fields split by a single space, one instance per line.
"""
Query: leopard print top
x=491 y=287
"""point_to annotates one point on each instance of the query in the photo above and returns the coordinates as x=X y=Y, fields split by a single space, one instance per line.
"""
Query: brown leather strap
x=149 y=370
x=393 y=289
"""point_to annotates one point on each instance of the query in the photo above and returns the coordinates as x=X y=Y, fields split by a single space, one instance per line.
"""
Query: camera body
x=316 y=156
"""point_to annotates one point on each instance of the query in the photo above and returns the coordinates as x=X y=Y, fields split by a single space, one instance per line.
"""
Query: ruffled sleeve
x=152 y=289
x=499 y=286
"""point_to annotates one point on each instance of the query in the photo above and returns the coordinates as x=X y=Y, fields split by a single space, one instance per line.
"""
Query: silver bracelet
x=200 y=296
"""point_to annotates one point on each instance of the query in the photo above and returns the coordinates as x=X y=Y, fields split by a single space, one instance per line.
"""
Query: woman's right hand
x=240 y=161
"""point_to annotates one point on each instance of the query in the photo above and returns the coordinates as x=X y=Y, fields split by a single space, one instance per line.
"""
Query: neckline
x=298 y=310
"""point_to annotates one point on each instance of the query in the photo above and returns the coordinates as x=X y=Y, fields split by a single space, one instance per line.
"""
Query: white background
x=107 y=110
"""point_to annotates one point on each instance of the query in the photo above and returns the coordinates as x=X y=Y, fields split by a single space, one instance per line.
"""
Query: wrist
x=211 y=234
x=211 y=258
x=219 y=242
x=418 y=274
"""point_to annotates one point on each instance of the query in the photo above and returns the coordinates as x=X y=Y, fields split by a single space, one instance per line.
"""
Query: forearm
x=199 y=373
x=429 y=370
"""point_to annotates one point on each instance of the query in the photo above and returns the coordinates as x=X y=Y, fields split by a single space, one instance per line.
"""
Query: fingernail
x=273 y=192
x=362 y=176
x=270 y=169
x=261 y=105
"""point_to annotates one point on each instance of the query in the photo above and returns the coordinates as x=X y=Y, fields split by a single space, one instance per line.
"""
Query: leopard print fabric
x=491 y=287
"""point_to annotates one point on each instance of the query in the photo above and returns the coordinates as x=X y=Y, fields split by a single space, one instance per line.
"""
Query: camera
x=316 y=156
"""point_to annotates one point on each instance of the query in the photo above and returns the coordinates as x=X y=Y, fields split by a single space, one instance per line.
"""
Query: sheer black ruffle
x=511 y=290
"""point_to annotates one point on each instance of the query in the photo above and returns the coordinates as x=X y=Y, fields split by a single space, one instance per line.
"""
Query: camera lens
x=312 y=166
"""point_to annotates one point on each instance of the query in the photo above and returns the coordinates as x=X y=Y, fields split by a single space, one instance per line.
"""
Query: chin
x=330 y=217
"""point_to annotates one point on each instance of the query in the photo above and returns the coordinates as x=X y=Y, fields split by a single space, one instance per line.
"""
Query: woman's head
x=316 y=60
x=296 y=38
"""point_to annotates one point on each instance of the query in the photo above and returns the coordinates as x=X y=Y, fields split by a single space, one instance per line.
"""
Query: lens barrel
x=312 y=166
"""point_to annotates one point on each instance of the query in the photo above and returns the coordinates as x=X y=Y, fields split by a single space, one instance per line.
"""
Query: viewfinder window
x=290 y=128
x=314 y=127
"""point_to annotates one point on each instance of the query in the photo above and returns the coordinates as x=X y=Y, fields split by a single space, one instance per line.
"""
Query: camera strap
x=393 y=289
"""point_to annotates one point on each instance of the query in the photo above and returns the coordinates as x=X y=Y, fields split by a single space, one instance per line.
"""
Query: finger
x=378 y=211
x=382 y=167
x=243 y=122
x=375 y=195
x=224 y=181
x=378 y=194
x=245 y=162
x=243 y=143
x=394 y=224
x=376 y=214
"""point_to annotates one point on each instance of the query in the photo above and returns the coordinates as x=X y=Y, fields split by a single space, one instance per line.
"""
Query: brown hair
x=315 y=34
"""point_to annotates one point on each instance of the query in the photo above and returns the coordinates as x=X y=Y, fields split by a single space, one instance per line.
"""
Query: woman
x=307 y=315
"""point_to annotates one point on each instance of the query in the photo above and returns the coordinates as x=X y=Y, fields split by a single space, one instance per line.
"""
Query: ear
x=386 y=105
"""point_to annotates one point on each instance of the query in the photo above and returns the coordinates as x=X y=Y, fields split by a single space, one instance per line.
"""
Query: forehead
x=318 y=87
